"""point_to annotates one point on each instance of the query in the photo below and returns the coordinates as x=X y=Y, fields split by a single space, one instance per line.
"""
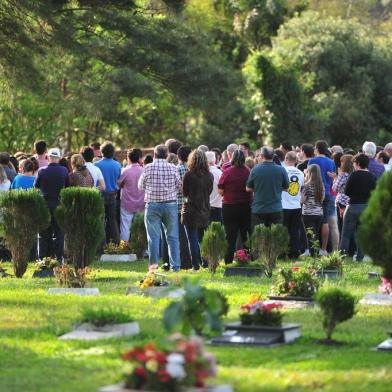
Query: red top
x=233 y=182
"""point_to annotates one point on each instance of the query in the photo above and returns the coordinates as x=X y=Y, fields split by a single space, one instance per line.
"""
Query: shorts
x=329 y=209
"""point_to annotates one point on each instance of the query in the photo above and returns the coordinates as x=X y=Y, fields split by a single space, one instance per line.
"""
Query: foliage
x=138 y=243
x=337 y=306
x=80 y=215
x=334 y=261
x=376 y=226
x=46 y=263
x=267 y=244
x=214 y=244
x=258 y=312
x=70 y=276
x=187 y=365
x=153 y=279
x=100 y=316
x=297 y=282
x=113 y=249
x=199 y=311
x=23 y=213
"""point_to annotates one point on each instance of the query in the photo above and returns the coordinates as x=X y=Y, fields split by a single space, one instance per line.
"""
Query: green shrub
x=214 y=245
x=375 y=230
x=297 y=282
x=334 y=261
x=23 y=214
x=337 y=306
x=267 y=244
x=199 y=311
x=104 y=316
x=80 y=216
x=138 y=243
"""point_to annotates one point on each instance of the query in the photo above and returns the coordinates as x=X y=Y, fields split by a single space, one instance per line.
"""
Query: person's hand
x=331 y=175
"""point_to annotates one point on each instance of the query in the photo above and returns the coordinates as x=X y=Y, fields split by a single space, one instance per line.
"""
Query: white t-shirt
x=291 y=199
x=215 y=197
x=5 y=186
x=95 y=172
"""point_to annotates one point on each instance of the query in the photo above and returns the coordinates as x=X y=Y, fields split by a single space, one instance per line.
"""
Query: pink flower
x=386 y=286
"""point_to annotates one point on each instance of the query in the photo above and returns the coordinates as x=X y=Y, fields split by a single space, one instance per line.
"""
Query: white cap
x=54 y=152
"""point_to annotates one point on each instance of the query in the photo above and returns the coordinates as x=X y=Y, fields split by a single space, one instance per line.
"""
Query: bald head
x=291 y=158
x=267 y=153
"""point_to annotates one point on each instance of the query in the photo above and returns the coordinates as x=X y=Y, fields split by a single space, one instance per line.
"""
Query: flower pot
x=88 y=331
x=386 y=345
x=247 y=272
x=328 y=274
x=258 y=335
x=120 y=258
x=44 y=273
x=75 y=291
x=211 y=388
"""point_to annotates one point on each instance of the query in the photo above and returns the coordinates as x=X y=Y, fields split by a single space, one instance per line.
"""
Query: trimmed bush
x=267 y=244
x=80 y=215
x=214 y=244
x=23 y=213
x=105 y=316
x=138 y=243
x=375 y=231
x=337 y=306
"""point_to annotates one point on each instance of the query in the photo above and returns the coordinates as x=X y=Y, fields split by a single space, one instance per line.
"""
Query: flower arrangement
x=258 y=312
x=121 y=249
x=385 y=286
x=242 y=256
x=297 y=282
x=187 y=365
x=153 y=279
x=68 y=276
x=47 y=263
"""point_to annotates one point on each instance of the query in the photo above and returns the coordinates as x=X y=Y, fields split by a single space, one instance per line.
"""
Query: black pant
x=292 y=220
x=236 y=218
x=312 y=222
x=51 y=240
x=266 y=219
x=185 y=255
x=112 y=231
x=216 y=214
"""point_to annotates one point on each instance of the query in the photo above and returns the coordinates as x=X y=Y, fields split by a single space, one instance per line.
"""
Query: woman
x=195 y=215
x=26 y=179
x=4 y=181
x=359 y=186
x=80 y=175
x=312 y=198
x=236 y=203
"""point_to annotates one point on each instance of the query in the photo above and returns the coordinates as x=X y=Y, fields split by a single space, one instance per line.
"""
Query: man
x=51 y=180
x=40 y=149
x=173 y=145
x=286 y=147
x=97 y=150
x=96 y=174
x=388 y=150
x=376 y=168
x=230 y=151
x=291 y=203
x=132 y=199
x=267 y=180
x=5 y=162
x=185 y=256
x=326 y=165
x=161 y=181
x=111 y=171
x=215 y=197
x=203 y=148
x=307 y=153
x=245 y=148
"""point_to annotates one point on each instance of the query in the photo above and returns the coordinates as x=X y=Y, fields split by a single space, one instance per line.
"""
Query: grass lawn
x=33 y=359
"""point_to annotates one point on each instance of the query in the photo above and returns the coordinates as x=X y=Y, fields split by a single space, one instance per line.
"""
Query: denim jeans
x=194 y=246
x=350 y=226
x=165 y=214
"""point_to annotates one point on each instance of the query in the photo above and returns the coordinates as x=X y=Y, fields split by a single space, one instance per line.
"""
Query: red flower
x=295 y=268
x=270 y=306
x=135 y=354
x=160 y=357
x=164 y=376
x=141 y=372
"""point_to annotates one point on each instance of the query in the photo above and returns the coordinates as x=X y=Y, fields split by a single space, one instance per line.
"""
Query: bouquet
x=258 y=312
x=187 y=365
x=385 y=286
x=153 y=279
x=241 y=256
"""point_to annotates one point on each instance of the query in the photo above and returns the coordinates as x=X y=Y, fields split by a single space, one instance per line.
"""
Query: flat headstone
x=292 y=302
x=75 y=291
x=211 y=388
x=158 y=291
x=88 y=331
x=377 y=299
x=118 y=258
x=374 y=275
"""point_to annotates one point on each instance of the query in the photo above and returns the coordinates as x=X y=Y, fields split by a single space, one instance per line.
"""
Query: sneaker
x=323 y=252
x=305 y=254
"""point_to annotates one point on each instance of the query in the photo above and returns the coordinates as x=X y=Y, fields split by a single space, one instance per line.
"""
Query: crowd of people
x=318 y=192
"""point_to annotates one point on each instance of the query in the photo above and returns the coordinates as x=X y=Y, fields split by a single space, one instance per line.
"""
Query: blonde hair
x=78 y=163
x=313 y=177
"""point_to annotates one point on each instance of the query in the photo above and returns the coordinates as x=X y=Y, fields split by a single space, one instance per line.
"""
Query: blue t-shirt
x=111 y=171
x=267 y=180
x=23 y=182
x=326 y=165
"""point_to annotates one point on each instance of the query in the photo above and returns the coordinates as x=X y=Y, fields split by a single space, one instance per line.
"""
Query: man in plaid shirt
x=160 y=181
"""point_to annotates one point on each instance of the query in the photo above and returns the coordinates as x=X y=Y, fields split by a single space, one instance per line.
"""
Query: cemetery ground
x=33 y=359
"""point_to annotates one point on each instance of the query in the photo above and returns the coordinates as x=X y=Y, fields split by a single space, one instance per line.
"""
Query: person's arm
x=250 y=182
x=121 y=180
x=142 y=180
x=285 y=180
x=185 y=185
x=101 y=181
x=349 y=190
